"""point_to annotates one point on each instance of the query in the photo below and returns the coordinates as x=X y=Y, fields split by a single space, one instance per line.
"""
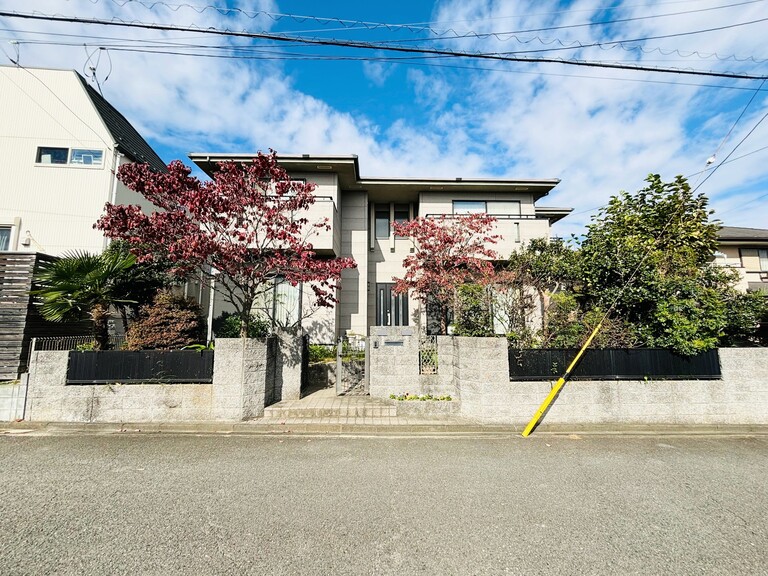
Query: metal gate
x=351 y=368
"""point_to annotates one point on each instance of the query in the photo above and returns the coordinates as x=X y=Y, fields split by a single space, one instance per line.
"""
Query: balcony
x=325 y=242
x=514 y=229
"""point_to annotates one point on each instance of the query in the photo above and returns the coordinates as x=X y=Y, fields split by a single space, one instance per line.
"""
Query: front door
x=391 y=309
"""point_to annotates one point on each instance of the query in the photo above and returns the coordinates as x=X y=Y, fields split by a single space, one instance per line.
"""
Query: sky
x=599 y=130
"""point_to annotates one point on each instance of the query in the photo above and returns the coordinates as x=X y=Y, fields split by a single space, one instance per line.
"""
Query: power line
x=44 y=109
x=575 y=45
x=348 y=24
x=402 y=60
x=374 y=46
x=732 y=151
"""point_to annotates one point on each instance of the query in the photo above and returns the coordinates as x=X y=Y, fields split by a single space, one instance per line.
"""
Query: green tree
x=473 y=311
x=647 y=258
x=81 y=285
x=524 y=285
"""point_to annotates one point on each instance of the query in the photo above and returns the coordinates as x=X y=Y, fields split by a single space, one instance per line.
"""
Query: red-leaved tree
x=449 y=252
x=248 y=225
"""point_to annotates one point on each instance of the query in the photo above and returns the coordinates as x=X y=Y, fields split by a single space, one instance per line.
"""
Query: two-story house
x=61 y=143
x=361 y=212
x=745 y=249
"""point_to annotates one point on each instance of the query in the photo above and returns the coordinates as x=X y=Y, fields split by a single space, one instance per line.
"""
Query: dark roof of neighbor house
x=127 y=138
x=734 y=233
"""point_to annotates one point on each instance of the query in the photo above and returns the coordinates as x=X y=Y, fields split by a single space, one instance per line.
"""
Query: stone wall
x=12 y=397
x=247 y=376
x=478 y=370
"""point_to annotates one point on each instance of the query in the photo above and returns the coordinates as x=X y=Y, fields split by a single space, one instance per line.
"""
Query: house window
x=86 y=157
x=382 y=221
x=504 y=208
x=763 y=260
x=402 y=214
x=468 y=207
x=5 y=238
x=76 y=156
x=47 y=155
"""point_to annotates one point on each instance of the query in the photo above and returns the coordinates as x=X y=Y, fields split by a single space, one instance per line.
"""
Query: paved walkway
x=323 y=407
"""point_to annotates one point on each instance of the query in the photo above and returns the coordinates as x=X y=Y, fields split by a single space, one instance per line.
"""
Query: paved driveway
x=150 y=504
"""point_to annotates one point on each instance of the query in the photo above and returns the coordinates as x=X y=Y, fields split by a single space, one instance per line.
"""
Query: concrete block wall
x=480 y=376
x=478 y=362
x=12 y=399
x=394 y=361
x=740 y=397
x=244 y=382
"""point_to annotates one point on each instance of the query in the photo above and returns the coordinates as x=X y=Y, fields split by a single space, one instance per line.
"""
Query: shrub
x=171 y=322
x=473 y=313
x=320 y=353
x=228 y=326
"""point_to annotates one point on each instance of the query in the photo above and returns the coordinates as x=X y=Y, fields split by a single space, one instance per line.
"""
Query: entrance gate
x=351 y=366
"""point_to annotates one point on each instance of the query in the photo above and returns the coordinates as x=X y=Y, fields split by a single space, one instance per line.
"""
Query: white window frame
x=70 y=158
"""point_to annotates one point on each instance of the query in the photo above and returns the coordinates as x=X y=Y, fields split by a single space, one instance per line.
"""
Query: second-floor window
x=5 y=238
x=382 y=220
x=48 y=155
x=469 y=207
x=74 y=156
x=493 y=207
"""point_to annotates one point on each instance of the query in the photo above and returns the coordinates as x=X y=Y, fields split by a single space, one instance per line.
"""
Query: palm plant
x=81 y=285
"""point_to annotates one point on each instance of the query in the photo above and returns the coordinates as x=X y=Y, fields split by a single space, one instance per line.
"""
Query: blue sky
x=598 y=130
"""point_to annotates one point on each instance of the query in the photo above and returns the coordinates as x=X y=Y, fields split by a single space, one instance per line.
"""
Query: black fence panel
x=613 y=364
x=150 y=366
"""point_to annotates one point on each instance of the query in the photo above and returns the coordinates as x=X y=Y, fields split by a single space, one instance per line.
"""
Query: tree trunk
x=245 y=317
x=99 y=316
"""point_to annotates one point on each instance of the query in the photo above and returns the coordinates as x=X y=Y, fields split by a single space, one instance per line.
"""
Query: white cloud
x=523 y=120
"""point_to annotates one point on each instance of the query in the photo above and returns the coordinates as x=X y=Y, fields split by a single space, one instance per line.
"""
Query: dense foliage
x=644 y=269
x=81 y=285
x=228 y=325
x=170 y=323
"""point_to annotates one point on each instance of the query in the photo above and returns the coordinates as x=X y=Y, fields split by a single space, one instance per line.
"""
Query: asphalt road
x=151 y=504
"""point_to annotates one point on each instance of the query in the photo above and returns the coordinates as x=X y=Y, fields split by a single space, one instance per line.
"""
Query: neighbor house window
x=46 y=155
x=86 y=157
x=763 y=260
x=5 y=238
x=75 y=156
x=382 y=221
x=468 y=207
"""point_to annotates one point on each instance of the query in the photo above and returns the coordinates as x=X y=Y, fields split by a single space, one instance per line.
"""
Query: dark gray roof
x=744 y=234
x=127 y=138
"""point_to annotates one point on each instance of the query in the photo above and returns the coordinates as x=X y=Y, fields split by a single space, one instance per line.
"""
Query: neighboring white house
x=745 y=249
x=361 y=211
x=60 y=144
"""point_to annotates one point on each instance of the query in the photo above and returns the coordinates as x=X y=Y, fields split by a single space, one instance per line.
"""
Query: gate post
x=339 y=367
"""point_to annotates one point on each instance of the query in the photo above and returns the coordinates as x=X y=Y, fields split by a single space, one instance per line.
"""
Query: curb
x=254 y=428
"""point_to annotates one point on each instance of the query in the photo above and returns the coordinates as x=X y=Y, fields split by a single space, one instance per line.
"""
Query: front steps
x=325 y=404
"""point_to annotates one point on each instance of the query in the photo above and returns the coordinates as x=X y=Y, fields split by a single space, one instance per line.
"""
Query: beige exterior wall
x=353 y=296
x=56 y=203
x=746 y=260
x=326 y=207
x=514 y=232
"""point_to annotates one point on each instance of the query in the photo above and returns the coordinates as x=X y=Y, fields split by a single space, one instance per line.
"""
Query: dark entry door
x=391 y=309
